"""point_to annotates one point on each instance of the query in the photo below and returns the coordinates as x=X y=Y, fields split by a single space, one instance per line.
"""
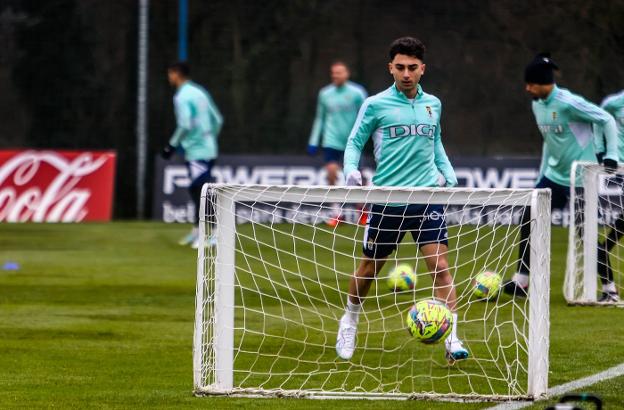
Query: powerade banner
x=56 y=186
x=172 y=202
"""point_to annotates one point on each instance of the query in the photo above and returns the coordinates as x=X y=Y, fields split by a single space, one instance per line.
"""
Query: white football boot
x=345 y=342
x=455 y=350
x=189 y=238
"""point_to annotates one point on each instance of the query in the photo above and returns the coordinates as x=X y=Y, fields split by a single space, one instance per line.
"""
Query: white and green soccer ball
x=429 y=321
x=486 y=285
x=401 y=278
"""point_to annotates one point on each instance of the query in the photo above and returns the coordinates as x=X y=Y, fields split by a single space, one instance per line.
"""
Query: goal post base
x=320 y=395
x=600 y=304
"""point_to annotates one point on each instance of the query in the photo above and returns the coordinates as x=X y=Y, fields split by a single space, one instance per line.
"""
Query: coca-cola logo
x=48 y=186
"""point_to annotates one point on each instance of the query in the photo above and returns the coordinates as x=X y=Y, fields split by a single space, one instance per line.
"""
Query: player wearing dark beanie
x=540 y=70
x=568 y=123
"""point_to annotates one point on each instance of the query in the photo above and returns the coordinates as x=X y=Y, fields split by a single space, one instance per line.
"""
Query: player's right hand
x=354 y=178
x=312 y=150
x=610 y=165
x=167 y=152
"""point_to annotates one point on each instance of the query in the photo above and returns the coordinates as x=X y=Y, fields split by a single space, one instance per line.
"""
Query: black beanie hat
x=540 y=70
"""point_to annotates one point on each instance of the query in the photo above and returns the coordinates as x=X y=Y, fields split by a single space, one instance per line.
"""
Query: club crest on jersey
x=554 y=115
x=414 y=130
x=429 y=111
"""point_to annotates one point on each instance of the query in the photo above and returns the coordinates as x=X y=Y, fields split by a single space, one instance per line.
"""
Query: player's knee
x=438 y=266
x=443 y=278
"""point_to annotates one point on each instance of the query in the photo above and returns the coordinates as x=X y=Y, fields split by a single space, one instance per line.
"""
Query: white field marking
x=567 y=387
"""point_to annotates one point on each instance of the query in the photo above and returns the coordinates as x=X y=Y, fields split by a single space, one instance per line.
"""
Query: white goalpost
x=595 y=206
x=271 y=291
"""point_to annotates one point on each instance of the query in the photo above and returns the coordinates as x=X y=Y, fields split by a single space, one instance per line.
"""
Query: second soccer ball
x=486 y=285
x=401 y=278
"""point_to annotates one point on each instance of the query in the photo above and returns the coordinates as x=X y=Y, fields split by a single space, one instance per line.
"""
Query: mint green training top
x=407 y=140
x=572 y=130
x=198 y=122
x=614 y=105
x=336 y=110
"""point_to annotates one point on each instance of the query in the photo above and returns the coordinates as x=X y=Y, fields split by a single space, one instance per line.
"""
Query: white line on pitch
x=567 y=387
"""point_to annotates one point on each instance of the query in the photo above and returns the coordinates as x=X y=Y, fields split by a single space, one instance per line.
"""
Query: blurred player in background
x=405 y=124
x=569 y=125
x=614 y=105
x=198 y=125
x=336 y=110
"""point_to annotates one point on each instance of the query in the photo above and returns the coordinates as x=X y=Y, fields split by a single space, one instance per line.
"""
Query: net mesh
x=291 y=276
x=606 y=262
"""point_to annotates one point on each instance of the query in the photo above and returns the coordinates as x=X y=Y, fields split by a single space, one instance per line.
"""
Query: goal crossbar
x=318 y=194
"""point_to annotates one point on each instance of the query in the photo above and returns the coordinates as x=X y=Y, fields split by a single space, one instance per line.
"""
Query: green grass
x=101 y=316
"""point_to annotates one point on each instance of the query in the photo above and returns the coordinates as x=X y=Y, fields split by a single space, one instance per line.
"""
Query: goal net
x=271 y=291
x=595 y=207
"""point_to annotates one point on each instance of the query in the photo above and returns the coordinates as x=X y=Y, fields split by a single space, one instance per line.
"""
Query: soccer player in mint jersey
x=614 y=105
x=569 y=125
x=198 y=125
x=404 y=123
x=337 y=107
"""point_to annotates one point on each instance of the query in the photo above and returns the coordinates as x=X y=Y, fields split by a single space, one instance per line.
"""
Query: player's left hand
x=610 y=165
x=167 y=152
x=450 y=181
x=354 y=178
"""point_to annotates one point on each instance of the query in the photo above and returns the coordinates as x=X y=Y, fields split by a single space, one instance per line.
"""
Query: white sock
x=609 y=287
x=353 y=311
x=453 y=336
x=521 y=279
x=195 y=231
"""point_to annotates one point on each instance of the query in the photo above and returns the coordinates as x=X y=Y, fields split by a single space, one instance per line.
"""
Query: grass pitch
x=101 y=316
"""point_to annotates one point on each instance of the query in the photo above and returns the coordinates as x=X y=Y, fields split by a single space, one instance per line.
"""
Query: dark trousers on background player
x=200 y=173
x=616 y=231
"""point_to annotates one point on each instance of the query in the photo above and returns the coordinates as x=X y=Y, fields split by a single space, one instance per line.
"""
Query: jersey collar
x=419 y=92
x=551 y=96
x=182 y=86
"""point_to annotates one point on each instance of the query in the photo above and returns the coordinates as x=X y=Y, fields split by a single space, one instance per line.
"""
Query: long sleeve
x=183 y=115
x=360 y=133
x=177 y=136
x=317 y=126
x=603 y=124
x=216 y=119
x=441 y=160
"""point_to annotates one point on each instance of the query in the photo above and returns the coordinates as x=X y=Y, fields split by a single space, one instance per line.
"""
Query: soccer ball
x=486 y=285
x=429 y=321
x=401 y=278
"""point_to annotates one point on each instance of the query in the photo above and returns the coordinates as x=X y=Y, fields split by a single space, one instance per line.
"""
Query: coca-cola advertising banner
x=56 y=186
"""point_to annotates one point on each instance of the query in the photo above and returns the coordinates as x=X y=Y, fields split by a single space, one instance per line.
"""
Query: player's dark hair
x=180 y=67
x=408 y=46
x=340 y=62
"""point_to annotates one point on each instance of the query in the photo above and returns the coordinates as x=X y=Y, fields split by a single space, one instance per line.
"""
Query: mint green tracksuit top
x=572 y=129
x=614 y=105
x=198 y=122
x=407 y=140
x=336 y=110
